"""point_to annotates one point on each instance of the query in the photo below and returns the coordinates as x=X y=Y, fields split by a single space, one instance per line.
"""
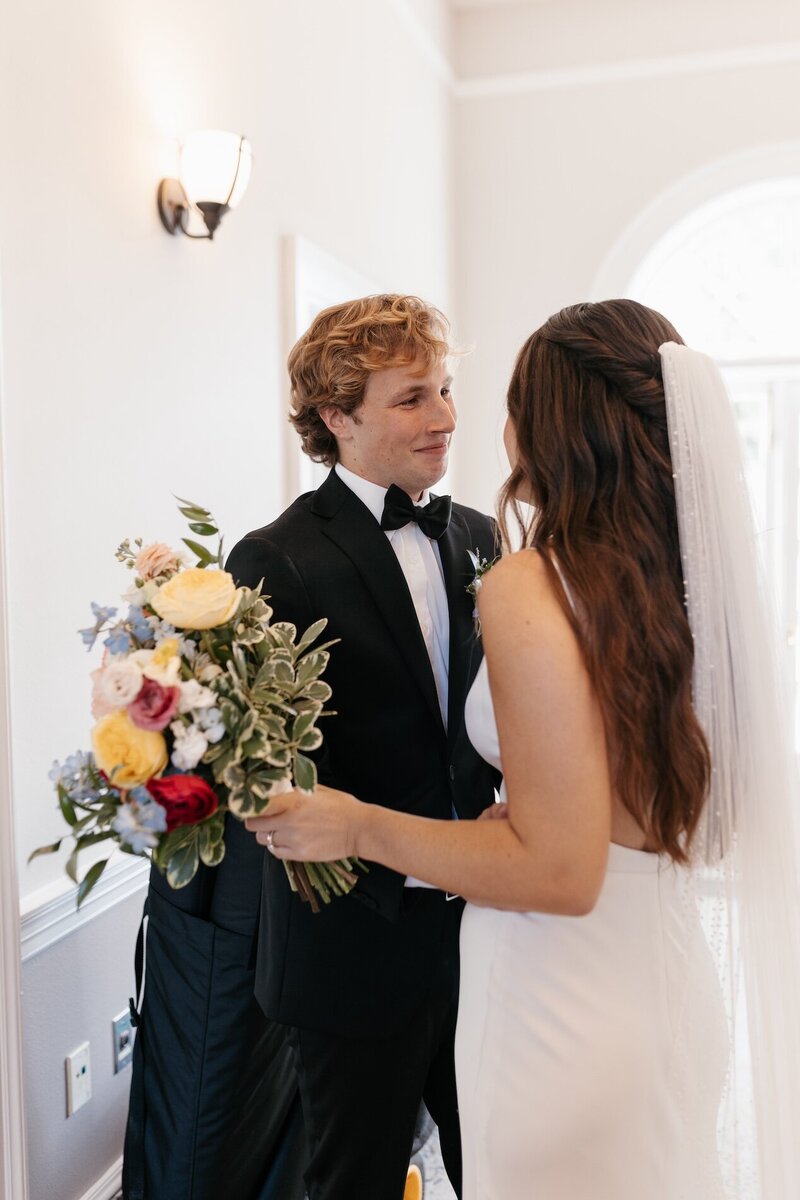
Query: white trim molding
x=589 y=74
x=108 y=1185
x=778 y=161
x=52 y=914
x=436 y=57
x=13 y=1167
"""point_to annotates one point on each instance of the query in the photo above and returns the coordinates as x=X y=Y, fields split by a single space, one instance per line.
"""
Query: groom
x=368 y=988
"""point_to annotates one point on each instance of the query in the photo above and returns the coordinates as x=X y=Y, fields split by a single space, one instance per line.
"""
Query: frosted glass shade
x=215 y=167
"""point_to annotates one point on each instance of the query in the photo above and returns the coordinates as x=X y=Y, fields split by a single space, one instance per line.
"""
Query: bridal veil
x=744 y=870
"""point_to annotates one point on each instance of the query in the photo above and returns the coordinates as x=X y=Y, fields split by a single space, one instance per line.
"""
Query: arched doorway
x=728 y=276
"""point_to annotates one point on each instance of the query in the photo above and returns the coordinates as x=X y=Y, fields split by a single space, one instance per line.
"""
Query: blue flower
x=101 y=615
x=138 y=825
x=56 y=772
x=140 y=795
x=163 y=630
x=118 y=640
x=139 y=625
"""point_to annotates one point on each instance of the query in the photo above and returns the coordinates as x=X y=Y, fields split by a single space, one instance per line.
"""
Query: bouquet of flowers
x=201 y=706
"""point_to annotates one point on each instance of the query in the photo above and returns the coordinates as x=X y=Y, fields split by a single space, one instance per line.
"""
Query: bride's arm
x=550 y=855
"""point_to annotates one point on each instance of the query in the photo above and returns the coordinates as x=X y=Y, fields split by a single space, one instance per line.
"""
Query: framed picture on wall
x=314 y=280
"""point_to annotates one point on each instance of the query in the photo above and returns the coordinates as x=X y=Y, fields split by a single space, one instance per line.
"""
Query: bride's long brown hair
x=586 y=401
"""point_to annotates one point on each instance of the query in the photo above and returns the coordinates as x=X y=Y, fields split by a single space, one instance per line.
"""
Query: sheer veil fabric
x=744 y=873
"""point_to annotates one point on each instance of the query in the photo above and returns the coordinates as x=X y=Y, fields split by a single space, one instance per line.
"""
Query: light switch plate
x=79 y=1078
x=122 y=1032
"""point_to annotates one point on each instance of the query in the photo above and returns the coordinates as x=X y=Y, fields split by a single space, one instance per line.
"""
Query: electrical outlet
x=79 y=1078
x=123 y=1040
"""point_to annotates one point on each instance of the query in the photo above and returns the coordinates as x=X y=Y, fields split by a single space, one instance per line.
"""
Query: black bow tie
x=399 y=509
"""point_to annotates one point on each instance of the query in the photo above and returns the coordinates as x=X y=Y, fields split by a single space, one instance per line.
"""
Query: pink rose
x=155 y=706
x=156 y=560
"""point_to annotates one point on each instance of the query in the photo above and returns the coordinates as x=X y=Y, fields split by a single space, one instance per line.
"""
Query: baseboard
x=108 y=1185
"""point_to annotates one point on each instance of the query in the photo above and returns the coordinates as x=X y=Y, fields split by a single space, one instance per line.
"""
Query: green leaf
x=195 y=512
x=210 y=842
x=311 y=634
x=212 y=853
x=312 y=740
x=302 y=725
x=312 y=666
x=182 y=866
x=305 y=773
x=67 y=807
x=72 y=864
x=203 y=529
x=204 y=556
x=284 y=672
x=90 y=879
x=51 y=849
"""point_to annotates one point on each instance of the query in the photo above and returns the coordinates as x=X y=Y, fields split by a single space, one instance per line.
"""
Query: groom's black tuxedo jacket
x=362 y=965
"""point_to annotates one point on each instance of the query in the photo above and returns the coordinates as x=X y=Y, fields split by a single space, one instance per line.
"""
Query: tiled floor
x=436 y=1185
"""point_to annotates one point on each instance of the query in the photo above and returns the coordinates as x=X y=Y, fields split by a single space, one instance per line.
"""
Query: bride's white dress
x=591 y=1051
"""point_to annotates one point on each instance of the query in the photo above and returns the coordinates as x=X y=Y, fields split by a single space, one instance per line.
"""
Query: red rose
x=187 y=799
x=154 y=706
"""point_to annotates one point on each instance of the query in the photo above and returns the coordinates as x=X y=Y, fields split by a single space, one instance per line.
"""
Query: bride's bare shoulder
x=520 y=585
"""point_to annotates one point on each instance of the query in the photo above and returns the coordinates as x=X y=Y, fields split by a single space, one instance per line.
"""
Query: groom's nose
x=443 y=419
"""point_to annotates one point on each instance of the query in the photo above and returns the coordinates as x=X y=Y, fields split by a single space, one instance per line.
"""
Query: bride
x=630 y=977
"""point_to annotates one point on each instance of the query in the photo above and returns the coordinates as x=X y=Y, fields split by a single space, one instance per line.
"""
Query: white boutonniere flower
x=480 y=566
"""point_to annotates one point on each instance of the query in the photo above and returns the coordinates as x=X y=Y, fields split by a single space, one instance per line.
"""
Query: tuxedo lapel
x=458 y=573
x=352 y=527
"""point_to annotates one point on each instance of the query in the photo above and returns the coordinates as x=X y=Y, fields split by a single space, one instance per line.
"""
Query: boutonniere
x=480 y=566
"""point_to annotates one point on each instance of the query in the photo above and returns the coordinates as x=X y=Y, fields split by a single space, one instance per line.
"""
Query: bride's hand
x=318 y=826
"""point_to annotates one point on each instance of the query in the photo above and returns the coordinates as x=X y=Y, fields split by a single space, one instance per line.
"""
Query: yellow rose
x=128 y=755
x=197 y=599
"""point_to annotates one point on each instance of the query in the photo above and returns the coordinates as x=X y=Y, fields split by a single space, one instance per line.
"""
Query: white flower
x=212 y=725
x=209 y=672
x=190 y=745
x=194 y=695
x=139 y=596
x=117 y=684
x=157 y=664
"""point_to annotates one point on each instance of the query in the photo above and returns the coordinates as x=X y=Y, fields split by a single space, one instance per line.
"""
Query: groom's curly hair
x=330 y=365
x=586 y=401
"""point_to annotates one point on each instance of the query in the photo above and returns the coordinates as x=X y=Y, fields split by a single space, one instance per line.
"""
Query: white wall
x=71 y=990
x=137 y=365
x=551 y=172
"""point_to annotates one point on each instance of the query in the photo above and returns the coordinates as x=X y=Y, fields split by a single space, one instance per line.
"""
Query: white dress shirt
x=421 y=565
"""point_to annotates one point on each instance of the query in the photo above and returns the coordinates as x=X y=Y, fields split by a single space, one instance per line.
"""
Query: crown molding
x=435 y=56
x=631 y=70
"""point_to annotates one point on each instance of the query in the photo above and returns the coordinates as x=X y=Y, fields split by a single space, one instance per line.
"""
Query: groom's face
x=401 y=432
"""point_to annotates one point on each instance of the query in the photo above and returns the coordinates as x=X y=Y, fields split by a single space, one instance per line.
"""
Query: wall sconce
x=214 y=173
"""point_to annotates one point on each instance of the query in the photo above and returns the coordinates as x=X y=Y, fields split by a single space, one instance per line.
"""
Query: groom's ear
x=336 y=422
